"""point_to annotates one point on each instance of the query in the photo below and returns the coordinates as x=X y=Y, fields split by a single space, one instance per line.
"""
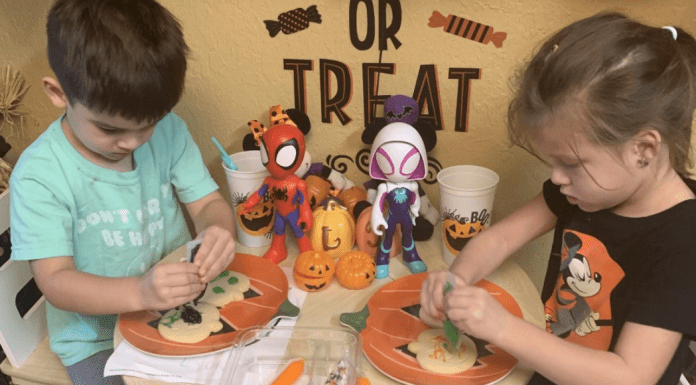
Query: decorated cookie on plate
x=433 y=353
x=227 y=287
x=190 y=324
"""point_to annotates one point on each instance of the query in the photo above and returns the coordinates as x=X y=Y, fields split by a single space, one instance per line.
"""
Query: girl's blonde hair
x=628 y=76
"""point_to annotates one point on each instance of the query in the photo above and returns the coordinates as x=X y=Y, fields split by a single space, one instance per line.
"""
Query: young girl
x=609 y=103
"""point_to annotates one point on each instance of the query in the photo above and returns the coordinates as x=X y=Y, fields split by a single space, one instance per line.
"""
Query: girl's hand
x=431 y=298
x=167 y=285
x=215 y=253
x=474 y=311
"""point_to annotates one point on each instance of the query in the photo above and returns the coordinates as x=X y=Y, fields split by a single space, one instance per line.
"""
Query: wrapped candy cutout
x=293 y=21
x=467 y=29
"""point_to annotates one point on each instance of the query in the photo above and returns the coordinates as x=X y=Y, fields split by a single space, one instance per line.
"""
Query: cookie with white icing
x=190 y=324
x=432 y=352
x=227 y=287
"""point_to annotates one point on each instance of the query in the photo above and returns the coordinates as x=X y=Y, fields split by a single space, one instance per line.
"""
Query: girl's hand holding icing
x=432 y=299
x=474 y=311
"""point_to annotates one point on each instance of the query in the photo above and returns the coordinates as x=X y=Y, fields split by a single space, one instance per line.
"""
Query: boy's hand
x=474 y=311
x=167 y=285
x=215 y=253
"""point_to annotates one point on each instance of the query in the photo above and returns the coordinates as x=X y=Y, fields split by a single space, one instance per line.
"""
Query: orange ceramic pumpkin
x=351 y=196
x=356 y=270
x=313 y=270
x=368 y=241
x=317 y=190
x=333 y=230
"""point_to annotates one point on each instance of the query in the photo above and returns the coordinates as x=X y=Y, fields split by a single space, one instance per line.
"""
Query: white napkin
x=206 y=369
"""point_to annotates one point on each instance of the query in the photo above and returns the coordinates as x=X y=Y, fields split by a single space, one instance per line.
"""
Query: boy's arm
x=488 y=249
x=163 y=287
x=214 y=222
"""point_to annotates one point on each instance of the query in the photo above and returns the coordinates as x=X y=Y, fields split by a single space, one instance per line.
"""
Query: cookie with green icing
x=227 y=287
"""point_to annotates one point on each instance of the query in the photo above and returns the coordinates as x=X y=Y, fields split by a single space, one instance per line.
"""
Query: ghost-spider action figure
x=398 y=156
x=282 y=149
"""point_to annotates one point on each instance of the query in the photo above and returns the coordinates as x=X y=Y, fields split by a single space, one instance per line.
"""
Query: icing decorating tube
x=293 y=21
x=467 y=29
x=290 y=373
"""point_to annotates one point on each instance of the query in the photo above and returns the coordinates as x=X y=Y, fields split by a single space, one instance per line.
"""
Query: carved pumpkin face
x=368 y=242
x=351 y=196
x=259 y=220
x=333 y=230
x=317 y=190
x=457 y=233
x=356 y=270
x=313 y=270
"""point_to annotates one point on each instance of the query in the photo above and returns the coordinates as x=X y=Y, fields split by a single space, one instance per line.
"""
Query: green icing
x=169 y=321
x=218 y=290
x=233 y=280
x=221 y=276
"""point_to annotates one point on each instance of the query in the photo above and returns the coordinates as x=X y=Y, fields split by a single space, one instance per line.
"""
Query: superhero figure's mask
x=282 y=150
x=398 y=154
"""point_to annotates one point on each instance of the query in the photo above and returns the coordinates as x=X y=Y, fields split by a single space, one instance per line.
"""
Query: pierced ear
x=648 y=143
x=55 y=92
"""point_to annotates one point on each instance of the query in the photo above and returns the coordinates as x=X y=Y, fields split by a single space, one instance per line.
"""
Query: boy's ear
x=55 y=92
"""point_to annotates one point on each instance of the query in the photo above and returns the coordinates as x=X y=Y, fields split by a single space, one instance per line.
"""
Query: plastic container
x=259 y=354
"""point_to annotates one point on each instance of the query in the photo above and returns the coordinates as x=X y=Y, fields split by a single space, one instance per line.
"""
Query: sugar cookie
x=432 y=354
x=190 y=324
x=227 y=287
x=428 y=320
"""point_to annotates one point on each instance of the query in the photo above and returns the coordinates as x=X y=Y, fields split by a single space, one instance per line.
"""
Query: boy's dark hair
x=627 y=76
x=119 y=57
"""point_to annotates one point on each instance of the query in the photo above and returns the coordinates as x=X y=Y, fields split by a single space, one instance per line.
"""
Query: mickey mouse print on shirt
x=580 y=308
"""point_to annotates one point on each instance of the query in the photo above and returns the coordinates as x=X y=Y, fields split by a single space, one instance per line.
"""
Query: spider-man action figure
x=282 y=149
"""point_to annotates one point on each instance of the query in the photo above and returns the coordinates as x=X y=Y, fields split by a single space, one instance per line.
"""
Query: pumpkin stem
x=331 y=205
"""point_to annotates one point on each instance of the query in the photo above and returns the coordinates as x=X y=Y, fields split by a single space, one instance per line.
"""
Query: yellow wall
x=236 y=73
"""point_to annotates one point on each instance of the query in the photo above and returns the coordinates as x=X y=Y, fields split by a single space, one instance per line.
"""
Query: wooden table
x=323 y=308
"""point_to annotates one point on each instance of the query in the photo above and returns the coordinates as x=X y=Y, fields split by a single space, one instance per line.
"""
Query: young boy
x=95 y=199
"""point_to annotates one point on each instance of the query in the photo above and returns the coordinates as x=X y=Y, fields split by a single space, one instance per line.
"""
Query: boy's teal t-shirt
x=113 y=223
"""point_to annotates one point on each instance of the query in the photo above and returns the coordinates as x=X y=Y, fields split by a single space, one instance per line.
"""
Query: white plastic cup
x=466 y=205
x=255 y=228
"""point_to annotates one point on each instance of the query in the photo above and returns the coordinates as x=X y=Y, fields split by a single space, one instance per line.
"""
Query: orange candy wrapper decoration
x=293 y=21
x=467 y=29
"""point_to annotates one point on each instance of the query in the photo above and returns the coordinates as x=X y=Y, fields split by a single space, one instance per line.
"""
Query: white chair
x=23 y=314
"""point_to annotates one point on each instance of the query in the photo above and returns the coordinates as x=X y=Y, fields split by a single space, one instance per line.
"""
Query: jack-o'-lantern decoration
x=368 y=241
x=317 y=190
x=458 y=232
x=351 y=196
x=356 y=270
x=333 y=230
x=313 y=270
x=259 y=220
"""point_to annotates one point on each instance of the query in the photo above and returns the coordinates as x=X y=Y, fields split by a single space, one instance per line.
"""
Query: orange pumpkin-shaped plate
x=266 y=299
x=390 y=322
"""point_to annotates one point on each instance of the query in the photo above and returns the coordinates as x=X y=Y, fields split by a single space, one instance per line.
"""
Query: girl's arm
x=163 y=287
x=489 y=248
x=641 y=355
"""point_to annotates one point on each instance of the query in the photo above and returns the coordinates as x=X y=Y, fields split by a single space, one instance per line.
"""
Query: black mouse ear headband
x=276 y=115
